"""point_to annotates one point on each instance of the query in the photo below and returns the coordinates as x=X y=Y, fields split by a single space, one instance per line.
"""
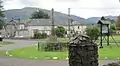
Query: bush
x=52 y=44
x=112 y=28
x=44 y=35
x=60 y=31
x=40 y=35
x=57 y=46
x=92 y=32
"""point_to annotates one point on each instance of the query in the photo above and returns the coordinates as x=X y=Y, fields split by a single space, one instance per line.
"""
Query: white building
x=27 y=28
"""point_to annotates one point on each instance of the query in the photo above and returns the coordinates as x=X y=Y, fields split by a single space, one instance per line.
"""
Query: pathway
x=28 y=62
x=18 y=44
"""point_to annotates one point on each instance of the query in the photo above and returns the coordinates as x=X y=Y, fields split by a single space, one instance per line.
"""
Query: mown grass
x=32 y=52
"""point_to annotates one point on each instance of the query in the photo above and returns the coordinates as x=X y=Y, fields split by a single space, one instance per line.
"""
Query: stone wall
x=82 y=52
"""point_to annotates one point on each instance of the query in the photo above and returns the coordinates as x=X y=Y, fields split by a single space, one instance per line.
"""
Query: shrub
x=44 y=35
x=92 y=32
x=112 y=28
x=60 y=31
x=52 y=44
x=40 y=35
x=57 y=46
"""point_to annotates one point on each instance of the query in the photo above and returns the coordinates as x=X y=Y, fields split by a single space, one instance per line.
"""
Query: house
x=26 y=28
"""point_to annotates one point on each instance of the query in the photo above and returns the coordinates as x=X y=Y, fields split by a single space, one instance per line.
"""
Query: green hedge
x=40 y=35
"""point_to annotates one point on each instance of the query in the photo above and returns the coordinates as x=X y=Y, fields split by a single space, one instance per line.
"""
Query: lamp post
x=69 y=19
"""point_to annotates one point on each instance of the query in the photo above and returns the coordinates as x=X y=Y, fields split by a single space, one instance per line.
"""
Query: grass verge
x=33 y=53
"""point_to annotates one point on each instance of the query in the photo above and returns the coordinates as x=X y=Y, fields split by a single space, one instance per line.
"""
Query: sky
x=82 y=8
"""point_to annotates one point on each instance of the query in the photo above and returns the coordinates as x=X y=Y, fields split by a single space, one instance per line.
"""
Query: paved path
x=17 y=44
x=26 y=62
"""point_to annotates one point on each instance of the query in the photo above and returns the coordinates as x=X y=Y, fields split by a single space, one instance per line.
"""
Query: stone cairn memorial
x=83 y=51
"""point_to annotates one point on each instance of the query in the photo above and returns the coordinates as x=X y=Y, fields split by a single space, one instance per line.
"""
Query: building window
x=21 y=26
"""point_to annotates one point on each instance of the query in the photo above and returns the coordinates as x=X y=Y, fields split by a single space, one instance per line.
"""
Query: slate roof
x=43 y=22
x=46 y=22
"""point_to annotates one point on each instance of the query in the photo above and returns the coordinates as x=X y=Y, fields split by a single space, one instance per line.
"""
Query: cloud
x=12 y=4
x=67 y=0
x=83 y=8
x=30 y=2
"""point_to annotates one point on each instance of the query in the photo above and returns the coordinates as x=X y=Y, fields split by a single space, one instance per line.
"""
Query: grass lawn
x=5 y=43
x=110 y=53
x=31 y=52
x=116 y=37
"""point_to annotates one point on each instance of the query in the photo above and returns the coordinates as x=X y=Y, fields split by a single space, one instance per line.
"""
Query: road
x=28 y=62
x=18 y=44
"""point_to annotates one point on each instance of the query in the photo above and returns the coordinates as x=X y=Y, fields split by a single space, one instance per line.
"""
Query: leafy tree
x=60 y=31
x=103 y=18
x=112 y=28
x=92 y=32
x=118 y=23
x=112 y=21
x=39 y=15
x=38 y=35
x=1 y=15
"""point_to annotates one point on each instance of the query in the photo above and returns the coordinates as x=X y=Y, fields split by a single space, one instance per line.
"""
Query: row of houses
x=26 y=28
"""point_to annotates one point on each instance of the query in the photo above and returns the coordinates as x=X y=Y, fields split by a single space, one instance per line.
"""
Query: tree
x=112 y=28
x=39 y=15
x=39 y=35
x=118 y=23
x=1 y=15
x=92 y=32
x=103 y=18
x=60 y=31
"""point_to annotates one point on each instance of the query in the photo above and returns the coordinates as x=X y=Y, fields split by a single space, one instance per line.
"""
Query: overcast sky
x=82 y=8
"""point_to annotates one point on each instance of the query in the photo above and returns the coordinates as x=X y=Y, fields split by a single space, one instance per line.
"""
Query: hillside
x=26 y=12
x=95 y=19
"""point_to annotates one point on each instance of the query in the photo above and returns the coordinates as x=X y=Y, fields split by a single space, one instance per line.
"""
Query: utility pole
x=19 y=27
x=69 y=20
x=73 y=24
x=53 y=31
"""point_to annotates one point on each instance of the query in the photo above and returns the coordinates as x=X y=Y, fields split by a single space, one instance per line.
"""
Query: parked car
x=1 y=38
